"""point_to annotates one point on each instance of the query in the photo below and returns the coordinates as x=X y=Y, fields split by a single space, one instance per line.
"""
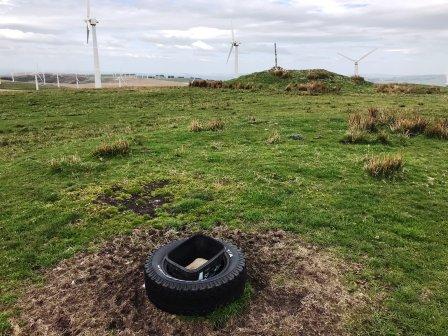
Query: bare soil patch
x=142 y=203
x=298 y=290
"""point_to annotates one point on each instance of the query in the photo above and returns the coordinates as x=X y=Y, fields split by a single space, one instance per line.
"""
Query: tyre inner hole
x=197 y=258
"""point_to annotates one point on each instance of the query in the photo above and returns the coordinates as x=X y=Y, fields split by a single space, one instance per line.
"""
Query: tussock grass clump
x=202 y=83
x=355 y=136
x=407 y=88
x=280 y=72
x=383 y=138
x=290 y=87
x=211 y=84
x=196 y=126
x=215 y=125
x=274 y=138
x=313 y=87
x=437 y=129
x=318 y=74
x=370 y=121
x=411 y=125
x=360 y=122
x=385 y=166
x=70 y=164
x=66 y=162
x=358 y=79
x=212 y=125
x=120 y=147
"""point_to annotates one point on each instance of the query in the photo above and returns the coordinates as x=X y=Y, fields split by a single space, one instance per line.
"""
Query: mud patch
x=298 y=291
x=142 y=203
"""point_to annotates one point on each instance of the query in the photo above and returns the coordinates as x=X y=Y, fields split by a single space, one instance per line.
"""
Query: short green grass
x=316 y=187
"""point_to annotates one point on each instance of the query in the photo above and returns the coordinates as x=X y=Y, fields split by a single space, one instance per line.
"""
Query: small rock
x=296 y=137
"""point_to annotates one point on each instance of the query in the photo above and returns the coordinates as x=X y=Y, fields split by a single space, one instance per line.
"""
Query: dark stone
x=297 y=136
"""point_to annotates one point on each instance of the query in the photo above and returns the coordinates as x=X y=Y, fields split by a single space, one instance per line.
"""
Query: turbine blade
x=350 y=59
x=88 y=9
x=230 y=53
x=370 y=52
x=88 y=33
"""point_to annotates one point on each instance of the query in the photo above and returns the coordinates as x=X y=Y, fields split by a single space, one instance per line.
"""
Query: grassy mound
x=286 y=79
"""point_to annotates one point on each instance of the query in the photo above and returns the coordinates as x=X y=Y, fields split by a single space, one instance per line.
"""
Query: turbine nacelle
x=92 y=22
x=234 y=46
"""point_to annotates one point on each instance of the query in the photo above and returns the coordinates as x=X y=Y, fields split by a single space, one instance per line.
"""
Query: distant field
x=109 y=83
x=278 y=162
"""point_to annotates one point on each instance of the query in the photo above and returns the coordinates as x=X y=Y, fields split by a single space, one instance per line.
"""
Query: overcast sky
x=194 y=36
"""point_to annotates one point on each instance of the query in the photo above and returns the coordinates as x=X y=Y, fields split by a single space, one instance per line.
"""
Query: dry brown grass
x=383 y=137
x=410 y=125
x=385 y=166
x=355 y=136
x=120 y=147
x=202 y=83
x=212 y=125
x=316 y=87
x=211 y=84
x=280 y=72
x=58 y=165
x=377 y=120
x=362 y=122
x=437 y=129
x=215 y=125
x=407 y=88
x=313 y=87
x=318 y=74
x=358 y=79
x=274 y=138
x=196 y=126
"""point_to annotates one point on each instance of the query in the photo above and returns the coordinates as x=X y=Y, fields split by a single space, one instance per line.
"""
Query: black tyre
x=171 y=293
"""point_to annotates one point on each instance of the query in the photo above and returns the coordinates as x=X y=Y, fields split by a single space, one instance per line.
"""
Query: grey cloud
x=132 y=30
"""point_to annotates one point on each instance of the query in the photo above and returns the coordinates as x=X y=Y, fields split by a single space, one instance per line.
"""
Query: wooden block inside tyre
x=184 y=292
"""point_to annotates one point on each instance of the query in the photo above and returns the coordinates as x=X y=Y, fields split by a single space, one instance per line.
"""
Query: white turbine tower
x=91 y=26
x=234 y=44
x=356 y=62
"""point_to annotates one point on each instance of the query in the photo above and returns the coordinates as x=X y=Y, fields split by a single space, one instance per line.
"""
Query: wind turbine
x=36 y=77
x=36 y=82
x=276 y=59
x=91 y=26
x=358 y=60
x=234 y=44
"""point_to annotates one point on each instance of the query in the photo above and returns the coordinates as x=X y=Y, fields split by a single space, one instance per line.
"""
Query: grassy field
x=316 y=187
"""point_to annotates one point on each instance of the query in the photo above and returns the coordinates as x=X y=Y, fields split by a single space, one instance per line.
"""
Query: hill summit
x=301 y=80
